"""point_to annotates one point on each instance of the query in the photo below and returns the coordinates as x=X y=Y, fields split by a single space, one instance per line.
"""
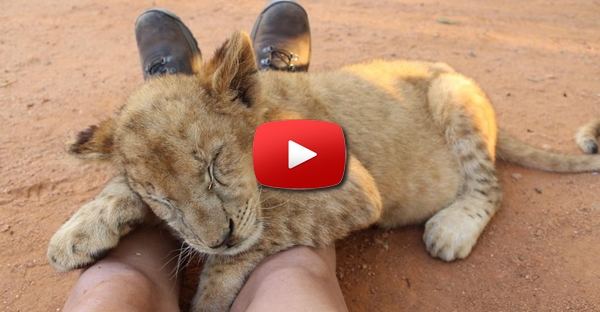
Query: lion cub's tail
x=512 y=150
x=586 y=137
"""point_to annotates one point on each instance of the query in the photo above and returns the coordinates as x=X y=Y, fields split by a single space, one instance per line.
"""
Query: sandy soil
x=67 y=64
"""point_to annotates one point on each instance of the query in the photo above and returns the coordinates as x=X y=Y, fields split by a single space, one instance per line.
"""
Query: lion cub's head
x=185 y=145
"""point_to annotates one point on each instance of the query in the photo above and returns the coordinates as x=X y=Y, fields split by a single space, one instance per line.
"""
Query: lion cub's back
x=387 y=72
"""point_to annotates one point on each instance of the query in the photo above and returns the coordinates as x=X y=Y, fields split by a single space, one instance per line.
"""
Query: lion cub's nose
x=225 y=236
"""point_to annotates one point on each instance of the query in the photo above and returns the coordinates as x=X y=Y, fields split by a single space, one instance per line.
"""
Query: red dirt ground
x=67 y=64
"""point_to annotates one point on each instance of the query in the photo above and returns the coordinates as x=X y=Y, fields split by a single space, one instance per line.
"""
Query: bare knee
x=114 y=287
x=299 y=279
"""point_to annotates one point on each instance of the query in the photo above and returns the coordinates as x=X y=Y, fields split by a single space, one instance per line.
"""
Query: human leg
x=139 y=274
x=301 y=278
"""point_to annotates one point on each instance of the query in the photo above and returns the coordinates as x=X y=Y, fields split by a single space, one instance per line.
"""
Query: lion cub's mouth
x=239 y=244
x=234 y=241
x=235 y=245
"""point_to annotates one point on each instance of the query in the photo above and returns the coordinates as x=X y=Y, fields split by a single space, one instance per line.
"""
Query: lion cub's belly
x=391 y=132
x=413 y=194
x=415 y=180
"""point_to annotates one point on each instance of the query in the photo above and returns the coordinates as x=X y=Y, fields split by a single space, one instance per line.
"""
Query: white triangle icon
x=298 y=154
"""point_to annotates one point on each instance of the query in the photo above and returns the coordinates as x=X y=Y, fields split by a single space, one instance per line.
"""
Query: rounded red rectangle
x=299 y=154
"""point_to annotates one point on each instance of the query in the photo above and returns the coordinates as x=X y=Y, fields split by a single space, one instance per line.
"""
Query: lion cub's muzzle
x=225 y=237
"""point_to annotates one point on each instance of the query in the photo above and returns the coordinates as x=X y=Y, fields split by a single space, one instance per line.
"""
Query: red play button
x=299 y=154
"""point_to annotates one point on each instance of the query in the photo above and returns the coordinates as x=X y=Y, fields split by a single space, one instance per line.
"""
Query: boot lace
x=157 y=66
x=279 y=59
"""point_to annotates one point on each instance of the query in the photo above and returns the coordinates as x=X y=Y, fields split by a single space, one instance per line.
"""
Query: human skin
x=298 y=279
x=138 y=275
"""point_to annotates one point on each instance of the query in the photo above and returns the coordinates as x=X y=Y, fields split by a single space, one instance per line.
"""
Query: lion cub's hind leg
x=463 y=113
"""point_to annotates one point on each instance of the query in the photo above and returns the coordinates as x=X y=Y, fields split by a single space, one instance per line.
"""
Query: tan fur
x=586 y=136
x=422 y=146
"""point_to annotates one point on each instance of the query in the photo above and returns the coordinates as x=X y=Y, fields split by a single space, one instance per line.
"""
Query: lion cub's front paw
x=451 y=234
x=97 y=226
x=80 y=242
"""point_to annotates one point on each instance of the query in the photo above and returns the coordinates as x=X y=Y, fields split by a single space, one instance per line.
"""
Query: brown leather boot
x=165 y=44
x=281 y=37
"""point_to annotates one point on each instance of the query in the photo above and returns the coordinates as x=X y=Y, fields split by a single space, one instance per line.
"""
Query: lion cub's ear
x=95 y=142
x=234 y=68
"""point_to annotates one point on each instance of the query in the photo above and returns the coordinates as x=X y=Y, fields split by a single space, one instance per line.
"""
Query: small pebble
x=446 y=21
x=517 y=176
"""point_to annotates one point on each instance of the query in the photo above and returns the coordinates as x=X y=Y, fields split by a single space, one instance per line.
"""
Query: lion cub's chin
x=245 y=244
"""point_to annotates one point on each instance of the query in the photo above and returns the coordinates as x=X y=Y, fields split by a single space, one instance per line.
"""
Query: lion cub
x=422 y=143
